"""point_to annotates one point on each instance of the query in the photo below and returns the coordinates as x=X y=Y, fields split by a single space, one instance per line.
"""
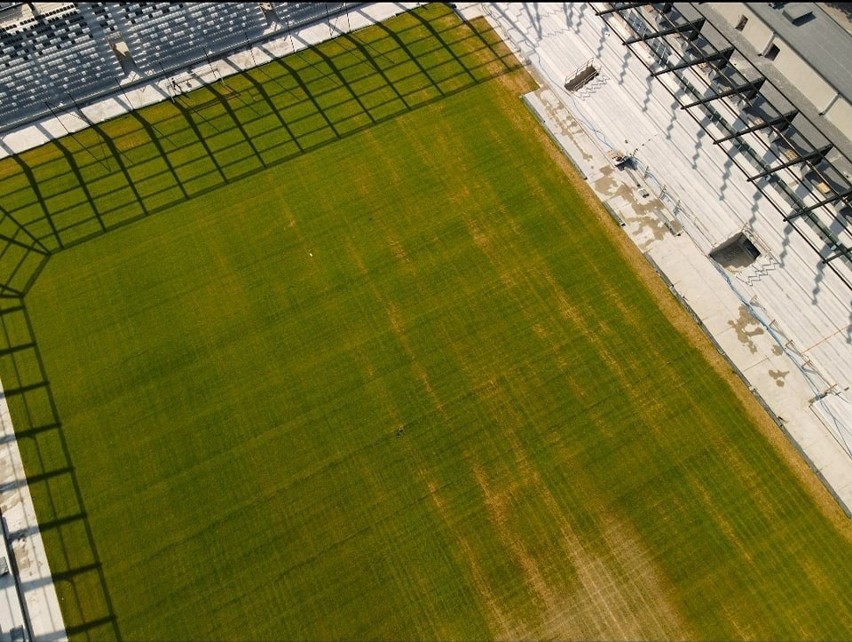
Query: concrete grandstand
x=757 y=180
x=714 y=144
x=54 y=55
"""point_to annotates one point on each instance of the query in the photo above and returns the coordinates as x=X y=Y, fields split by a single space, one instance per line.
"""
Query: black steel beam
x=819 y=153
x=782 y=119
x=749 y=87
x=810 y=208
x=695 y=25
x=725 y=55
x=840 y=251
x=623 y=7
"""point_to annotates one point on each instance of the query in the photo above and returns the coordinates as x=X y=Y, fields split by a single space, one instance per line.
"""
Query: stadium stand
x=54 y=55
x=168 y=33
x=756 y=179
x=295 y=13
x=50 y=59
x=762 y=132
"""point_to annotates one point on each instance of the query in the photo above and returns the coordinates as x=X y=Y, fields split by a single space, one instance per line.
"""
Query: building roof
x=818 y=39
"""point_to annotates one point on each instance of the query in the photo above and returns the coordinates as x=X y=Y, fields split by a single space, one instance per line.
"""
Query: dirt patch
x=614 y=591
x=502 y=629
x=423 y=376
x=396 y=322
x=566 y=309
x=355 y=256
x=617 y=592
x=480 y=240
x=654 y=227
x=606 y=182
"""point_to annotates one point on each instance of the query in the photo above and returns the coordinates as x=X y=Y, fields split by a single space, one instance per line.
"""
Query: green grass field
x=375 y=369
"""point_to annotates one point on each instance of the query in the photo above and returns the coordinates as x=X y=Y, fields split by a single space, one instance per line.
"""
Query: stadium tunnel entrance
x=735 y=254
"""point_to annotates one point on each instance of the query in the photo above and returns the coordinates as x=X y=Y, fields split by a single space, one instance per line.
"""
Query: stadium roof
x=824 y=44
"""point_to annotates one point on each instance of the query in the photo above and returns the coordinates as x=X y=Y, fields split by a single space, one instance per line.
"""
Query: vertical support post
x=250 y=48
x=126 y=97
x=168 y=83
x=210 y=64
x=47 y=104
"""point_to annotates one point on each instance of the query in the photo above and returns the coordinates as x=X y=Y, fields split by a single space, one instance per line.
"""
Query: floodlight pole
x=126 y=97
x=71 y=134
x=89 y=123
x=59 y=120
x=250 y=48
x=79 y=109
x=212 y=69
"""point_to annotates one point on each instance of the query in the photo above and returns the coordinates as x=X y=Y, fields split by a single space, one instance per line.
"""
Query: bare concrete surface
x=841 y=13
x=783 y=324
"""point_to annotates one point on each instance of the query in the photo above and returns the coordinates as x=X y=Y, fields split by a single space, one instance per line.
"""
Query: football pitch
x=342 y=348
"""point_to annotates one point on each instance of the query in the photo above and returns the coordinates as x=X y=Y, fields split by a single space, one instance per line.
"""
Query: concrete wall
x=757 y=33
x=797 y=70
x=840 y=115
x=791 y=65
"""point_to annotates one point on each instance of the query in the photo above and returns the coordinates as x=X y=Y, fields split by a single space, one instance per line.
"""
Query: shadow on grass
x=72 y=163
x=33 y=183
x=52 y=477
x=226 y=105
x=154 y=135
x=52 y=481
x=421 y=88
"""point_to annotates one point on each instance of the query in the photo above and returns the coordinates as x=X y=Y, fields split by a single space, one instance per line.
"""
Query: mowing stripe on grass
x=403 y=386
